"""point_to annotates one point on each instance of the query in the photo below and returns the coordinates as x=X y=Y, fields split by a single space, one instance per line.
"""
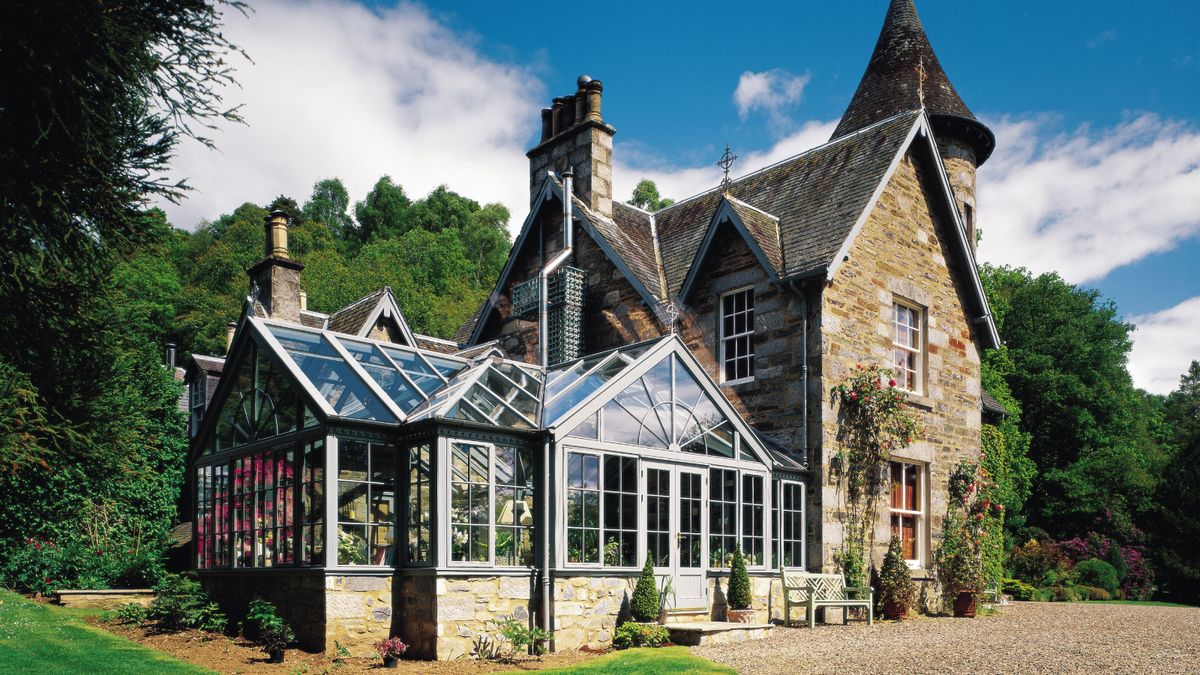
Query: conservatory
x=370 y=488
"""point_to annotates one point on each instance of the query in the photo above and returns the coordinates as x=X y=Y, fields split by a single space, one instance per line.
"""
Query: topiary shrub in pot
x=897 y=592
x=738 y=596
x=644 y=604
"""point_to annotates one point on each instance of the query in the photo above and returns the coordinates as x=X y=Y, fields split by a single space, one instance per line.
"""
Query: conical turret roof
x=892 y=84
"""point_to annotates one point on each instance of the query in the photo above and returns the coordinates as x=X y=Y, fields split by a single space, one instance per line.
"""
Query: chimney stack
x=277 y=276
x=575 y=136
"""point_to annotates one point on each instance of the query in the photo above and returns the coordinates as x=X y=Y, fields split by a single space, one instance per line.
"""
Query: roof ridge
x=752 y=207
x=356 y=303
x=815 y=148
x=631 y=206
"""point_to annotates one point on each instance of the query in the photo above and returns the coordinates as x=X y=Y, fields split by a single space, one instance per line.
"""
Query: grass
x=1145 y=603
x=44 y=639
x=647 y=660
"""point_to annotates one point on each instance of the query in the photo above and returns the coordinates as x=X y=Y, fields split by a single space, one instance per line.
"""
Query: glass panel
x=415 y=367
x=589 y=428
x=620 y=511
x=585 y=387
x=722 y=516
x=792 y=524
x=583 y=508
x=691 y=504
x=330 y=375
x=658 y=516
x=420 y=511
x=753 y=520
x=470 y=508
x=386 y=376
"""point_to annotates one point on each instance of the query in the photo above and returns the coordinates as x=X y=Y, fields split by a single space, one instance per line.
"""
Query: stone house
x=637 y=385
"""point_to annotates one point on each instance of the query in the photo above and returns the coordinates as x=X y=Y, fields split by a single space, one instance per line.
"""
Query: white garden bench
x=812 y=591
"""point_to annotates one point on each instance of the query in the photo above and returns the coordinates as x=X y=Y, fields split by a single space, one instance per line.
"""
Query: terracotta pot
x=964 y=604
x=896 y=611
x=739 y=615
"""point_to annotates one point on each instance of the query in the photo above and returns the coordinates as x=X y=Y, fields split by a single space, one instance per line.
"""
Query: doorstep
x=716 y=632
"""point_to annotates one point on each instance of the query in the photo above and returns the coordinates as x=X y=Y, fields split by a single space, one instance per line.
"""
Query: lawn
x=648 y=660
x=44 y=639
x=1143 y=603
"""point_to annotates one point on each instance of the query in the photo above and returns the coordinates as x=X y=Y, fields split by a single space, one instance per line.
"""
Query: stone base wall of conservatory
x=298 y=595
x=766 y=594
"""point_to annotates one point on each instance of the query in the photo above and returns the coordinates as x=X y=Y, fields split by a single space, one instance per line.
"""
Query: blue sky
x=1096 y=173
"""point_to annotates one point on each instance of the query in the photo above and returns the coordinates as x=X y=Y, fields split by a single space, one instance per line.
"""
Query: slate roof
x=463 y=335
x=435 y=344
x=891 y=84
x=350 y=318
x=991 y=406
x=817 y=197
x=631 y=237
x=763 y=226
x=313 y=319
x=209 y=364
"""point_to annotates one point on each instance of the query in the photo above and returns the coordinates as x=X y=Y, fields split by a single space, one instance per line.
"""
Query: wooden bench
x=812 y=591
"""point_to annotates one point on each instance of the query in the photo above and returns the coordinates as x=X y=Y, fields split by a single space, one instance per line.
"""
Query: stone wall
x=900 y=253
x=358 y=612
x=466 y=607
x=959 y=160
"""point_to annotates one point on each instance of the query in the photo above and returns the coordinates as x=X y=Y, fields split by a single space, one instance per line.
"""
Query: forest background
x=93 y=284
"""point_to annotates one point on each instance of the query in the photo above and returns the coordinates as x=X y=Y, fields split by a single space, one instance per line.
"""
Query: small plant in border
x=521 y=635
x=633 y=634
x=274 y=636
x=897 y=593
x=390 y=650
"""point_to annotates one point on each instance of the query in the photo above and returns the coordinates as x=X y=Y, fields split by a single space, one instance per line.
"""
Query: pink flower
x=854 y=396
x=37 y=545
x=978 y=516
x=891 y=383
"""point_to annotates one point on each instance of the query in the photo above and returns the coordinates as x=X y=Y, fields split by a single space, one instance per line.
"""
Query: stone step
x=716 y=632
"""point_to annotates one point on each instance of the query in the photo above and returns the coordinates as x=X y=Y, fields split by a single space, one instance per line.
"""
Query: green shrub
x=1035 y=562
x=521 y=636
x=131 y=612
x=275 y=635
x=1043 y=595
x=1017 y=589
x=644 y=604
x=630 y=634
x=1063 y=593
x=258 y=614
x=1098 y=573
x=739 y=582
x=1093 y=593
x=180 y=602
x=895 y=581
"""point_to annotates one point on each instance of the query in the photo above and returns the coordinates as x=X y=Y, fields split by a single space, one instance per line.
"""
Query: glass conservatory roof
x=359 y=378
x=662 y=402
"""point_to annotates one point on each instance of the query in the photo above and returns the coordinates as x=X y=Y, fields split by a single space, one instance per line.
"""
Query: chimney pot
x=277 y=235
x=594 y=89
x=303 y=300
x=556 y=116
x=547 y=124
x=230 y=329
x=171 y=349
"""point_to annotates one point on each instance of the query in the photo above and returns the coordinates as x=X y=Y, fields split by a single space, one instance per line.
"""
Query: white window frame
x=780 y=541
x=722 y=338
x=922 y=518
x=918 y=384
x=197 y=390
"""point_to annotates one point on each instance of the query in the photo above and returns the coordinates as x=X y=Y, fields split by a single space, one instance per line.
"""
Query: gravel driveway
x=1025 y=637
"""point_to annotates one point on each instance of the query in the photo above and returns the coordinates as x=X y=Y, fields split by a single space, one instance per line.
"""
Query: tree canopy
x=645 y=196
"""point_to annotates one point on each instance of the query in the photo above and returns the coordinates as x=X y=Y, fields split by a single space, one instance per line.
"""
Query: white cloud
x=1164 y=345
x=680 y=181
x=770 y=91
x=339 y=90
x=1087 y=202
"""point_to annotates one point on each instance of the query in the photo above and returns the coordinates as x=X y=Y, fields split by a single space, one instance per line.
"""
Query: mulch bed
x=237 y=655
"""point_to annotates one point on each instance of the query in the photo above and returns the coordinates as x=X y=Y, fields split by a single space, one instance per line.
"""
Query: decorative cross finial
x=672 y=312
x=725 y=162
x=921 y=77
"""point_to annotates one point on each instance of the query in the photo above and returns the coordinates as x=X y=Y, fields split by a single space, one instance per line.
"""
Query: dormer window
x=196 y=395
x=737 y=336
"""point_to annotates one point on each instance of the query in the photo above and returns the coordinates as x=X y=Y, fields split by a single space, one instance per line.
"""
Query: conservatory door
x=675 y=532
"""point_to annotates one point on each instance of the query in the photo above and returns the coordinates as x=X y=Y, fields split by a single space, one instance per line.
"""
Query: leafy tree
x=645 y=196
x=382 y=213
x=1177 y=523
x=330 y=204
x=1092 y=434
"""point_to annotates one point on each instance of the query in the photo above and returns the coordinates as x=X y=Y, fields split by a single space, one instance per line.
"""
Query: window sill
x=744 y=384
x=918 y=401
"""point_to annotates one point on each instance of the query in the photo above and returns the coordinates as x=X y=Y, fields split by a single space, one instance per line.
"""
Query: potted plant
x=644 y=604
x=275 y=635
x=896 y=589
x=390 y=650
x=738 y=596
